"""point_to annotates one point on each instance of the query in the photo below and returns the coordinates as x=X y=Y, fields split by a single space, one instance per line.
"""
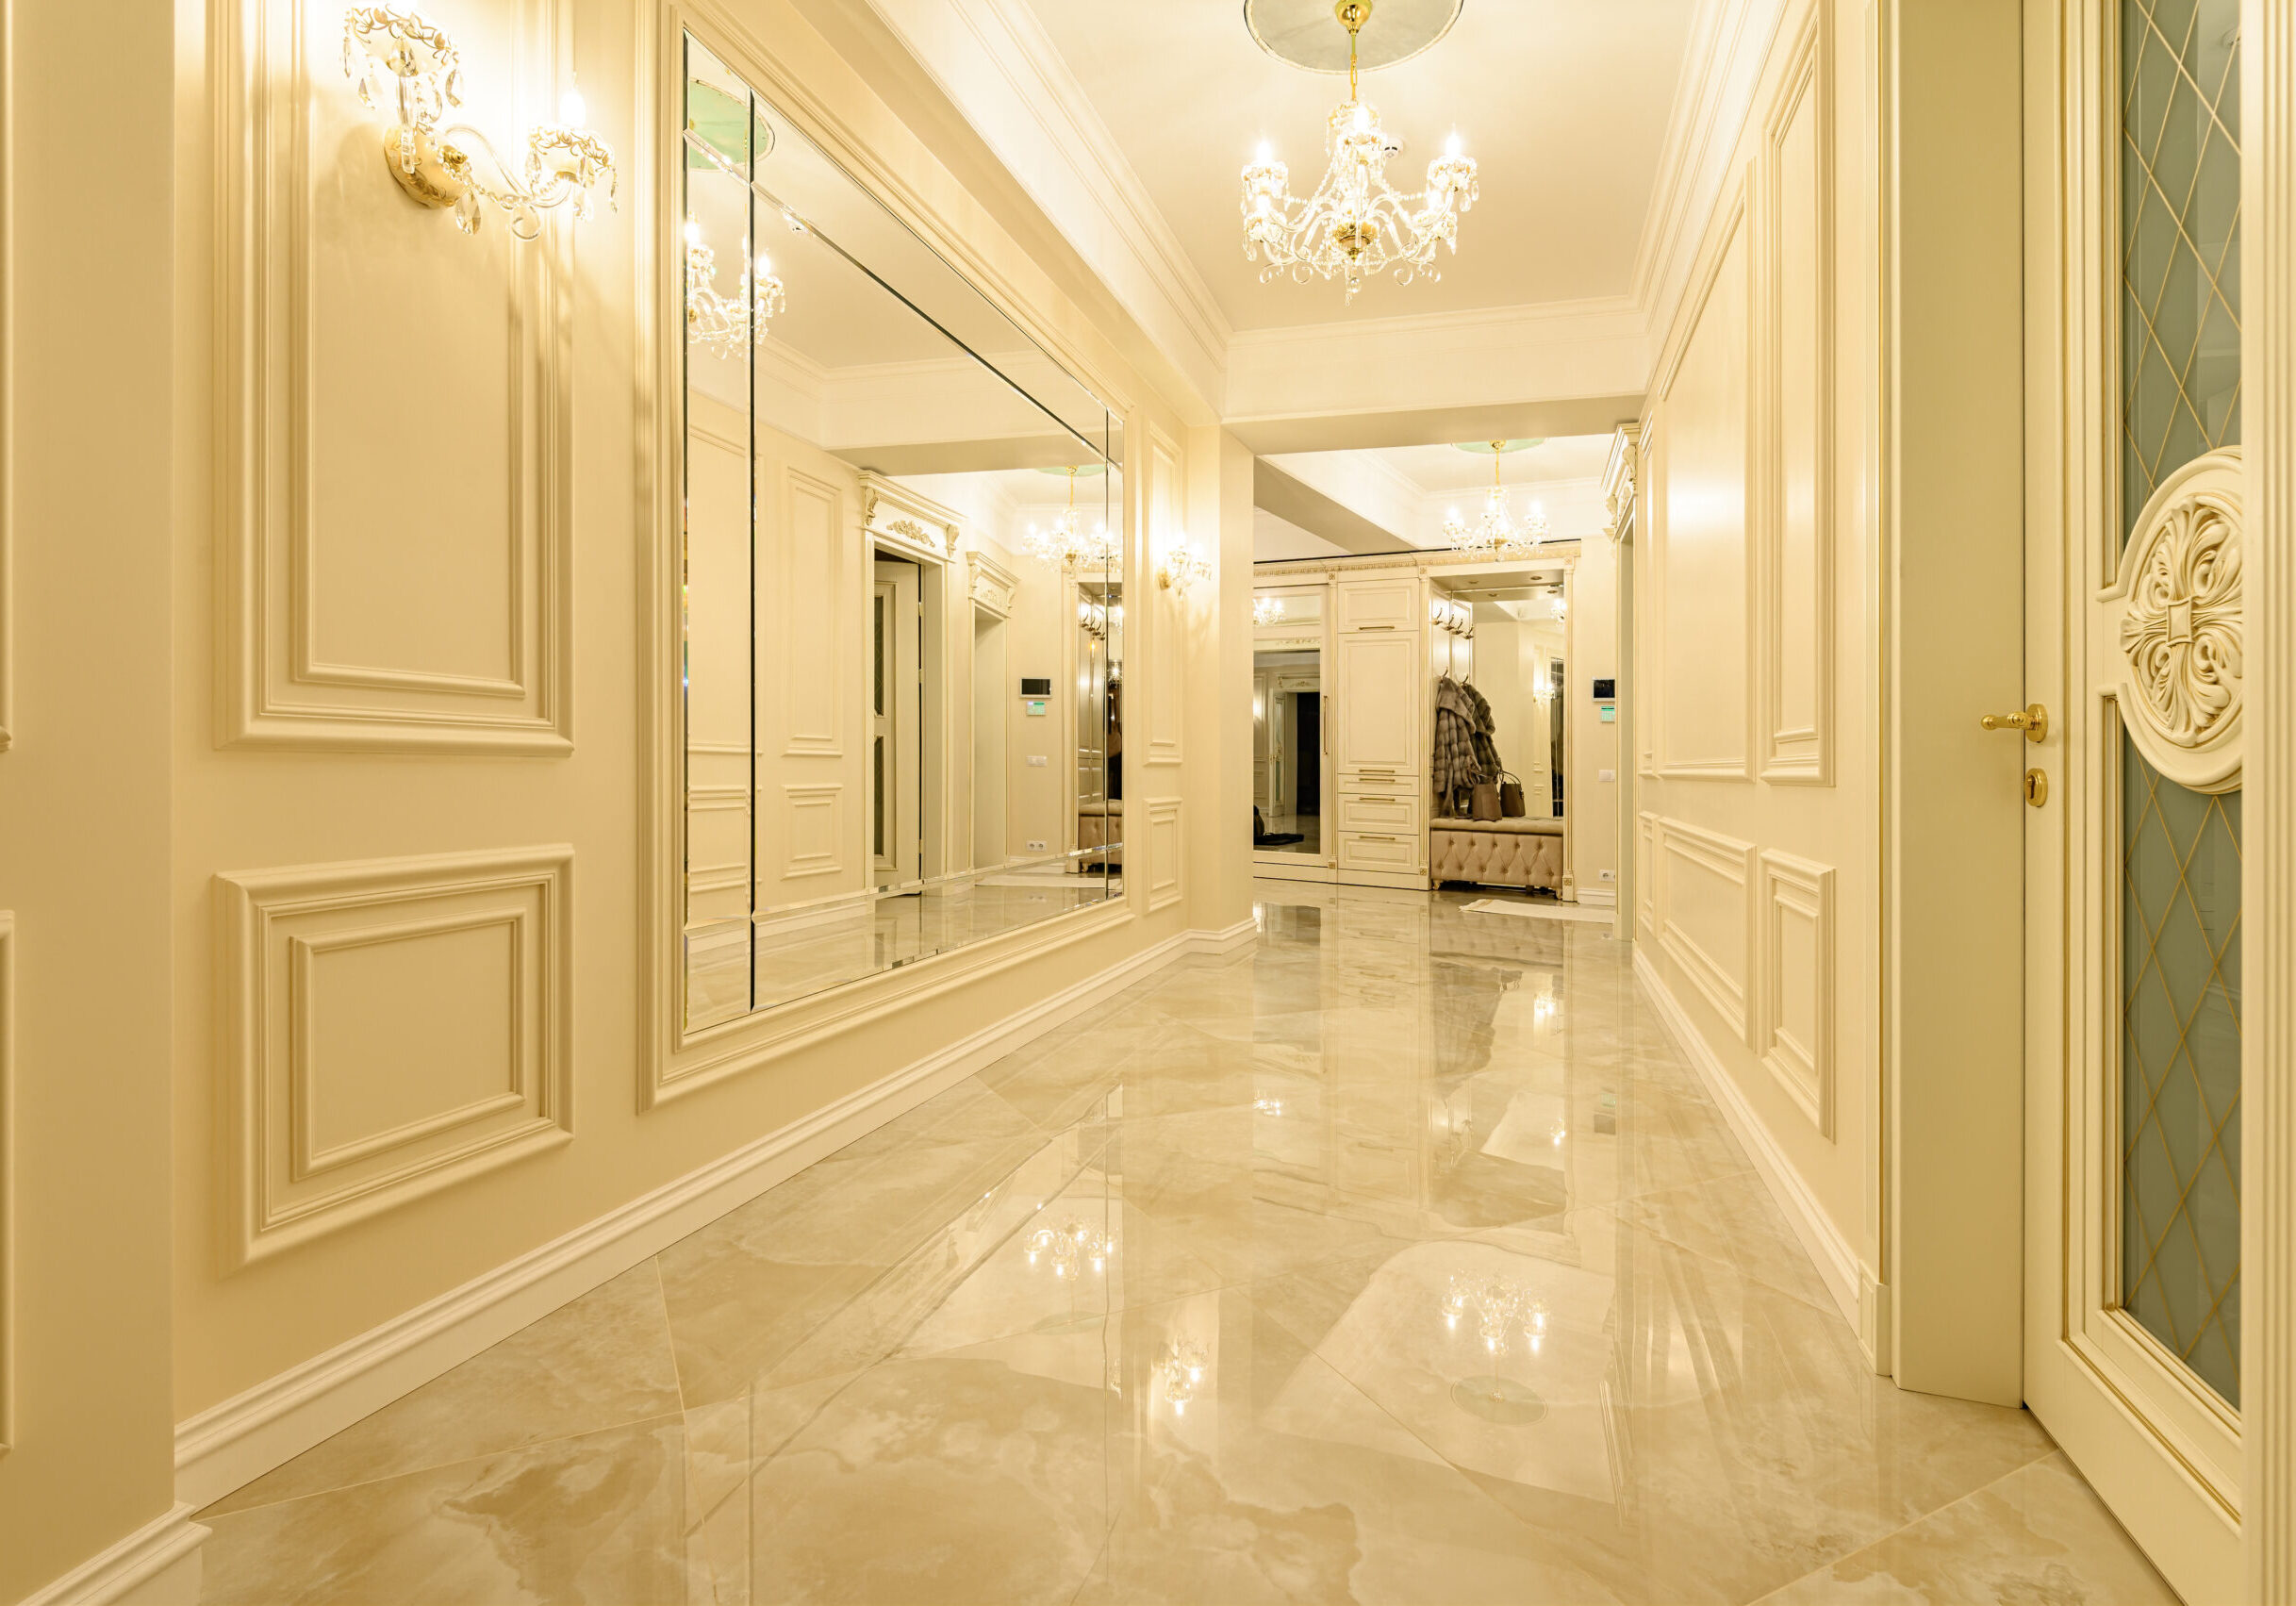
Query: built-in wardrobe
x=1345 y=661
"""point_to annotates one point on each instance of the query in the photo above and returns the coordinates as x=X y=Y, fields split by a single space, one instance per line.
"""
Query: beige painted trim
x=266 y=1038
x=273 y=690
x=2267 y=1216
x=1732 y=859
x=1166 y=854
x=1788 y=887
x=158 y=1565
x=1801 y=755
x=1160 y=614
x=235 y=1442
x=1836 y=1261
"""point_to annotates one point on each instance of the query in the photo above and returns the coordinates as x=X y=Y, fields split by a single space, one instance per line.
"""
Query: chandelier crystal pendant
x=1356 y=225
x=1066 y=544
x=401 y=58
x=721 y=322
x=1496 y=533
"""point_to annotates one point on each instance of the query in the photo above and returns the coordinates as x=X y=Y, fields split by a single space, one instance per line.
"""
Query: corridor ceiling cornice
x=1000 y=71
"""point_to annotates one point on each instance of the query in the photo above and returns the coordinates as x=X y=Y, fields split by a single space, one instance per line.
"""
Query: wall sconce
x=1181 y=567
x=1266 y=610
x=1561 y=608
x=392 y=53
x=723 y=323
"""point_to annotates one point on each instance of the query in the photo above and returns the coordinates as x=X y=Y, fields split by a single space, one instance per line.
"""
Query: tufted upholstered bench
x=1497 y=852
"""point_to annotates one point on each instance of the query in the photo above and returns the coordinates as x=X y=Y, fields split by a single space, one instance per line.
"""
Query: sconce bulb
x=1362 y=117
x=571 y=111
x=693 y=232
x=1450 y=146
x=1267 y=152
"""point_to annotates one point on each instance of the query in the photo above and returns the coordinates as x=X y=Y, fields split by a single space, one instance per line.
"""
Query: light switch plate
x=1606 y=774
x=1037 y=761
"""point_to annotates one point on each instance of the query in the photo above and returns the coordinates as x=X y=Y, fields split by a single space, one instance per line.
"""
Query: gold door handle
x=2033 y=720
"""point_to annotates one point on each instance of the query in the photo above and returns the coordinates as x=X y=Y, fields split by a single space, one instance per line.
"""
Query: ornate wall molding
x=897 y=517
x=290 y=672
x=1797 y=1044
x=2175 y=616
x=1706 y=958
x=313 y=967
x=1166 y=860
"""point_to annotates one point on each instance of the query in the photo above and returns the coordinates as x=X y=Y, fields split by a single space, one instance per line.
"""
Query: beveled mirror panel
x=904 y=602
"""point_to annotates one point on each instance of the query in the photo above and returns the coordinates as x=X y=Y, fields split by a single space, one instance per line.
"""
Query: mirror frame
x=673 y=1058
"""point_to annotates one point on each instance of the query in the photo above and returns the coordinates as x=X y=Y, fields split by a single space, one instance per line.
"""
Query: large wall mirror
x=903 y=601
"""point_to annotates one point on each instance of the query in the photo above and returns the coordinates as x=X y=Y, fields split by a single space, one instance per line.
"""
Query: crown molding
x=996 y=65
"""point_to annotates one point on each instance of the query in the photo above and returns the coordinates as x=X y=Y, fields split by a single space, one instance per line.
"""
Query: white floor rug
x=1538 y=911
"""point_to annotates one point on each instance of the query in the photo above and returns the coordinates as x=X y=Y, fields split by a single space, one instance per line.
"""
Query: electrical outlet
x=1036 y=846
x=1037 y=761
x=1609 y=875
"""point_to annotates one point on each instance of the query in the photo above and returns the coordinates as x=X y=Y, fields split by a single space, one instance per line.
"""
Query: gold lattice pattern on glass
x=2180 y=1076
x=2180 y=212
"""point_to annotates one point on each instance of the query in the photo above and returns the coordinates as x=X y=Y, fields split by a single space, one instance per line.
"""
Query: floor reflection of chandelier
x=1502 y=1309
x=1182 y=1372
x=1355 y=226
x=1497 y=532
x=1069 y=1246
x=1066 y=544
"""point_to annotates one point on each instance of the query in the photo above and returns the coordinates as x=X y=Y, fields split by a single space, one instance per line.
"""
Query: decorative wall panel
x=1797 y=523
x=1702 y=598
x=1795 y=1031
x=394 y=552
x=1165 y=645
x=346 y=1102
x=1702 y=914
x=1166 y=858
x=1645 y=873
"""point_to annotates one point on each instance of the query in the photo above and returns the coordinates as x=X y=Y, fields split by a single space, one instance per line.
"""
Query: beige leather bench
x=1497 y=852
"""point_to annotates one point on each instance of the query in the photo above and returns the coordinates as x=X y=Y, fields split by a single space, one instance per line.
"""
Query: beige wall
x=85 y=572
x=1756 y=867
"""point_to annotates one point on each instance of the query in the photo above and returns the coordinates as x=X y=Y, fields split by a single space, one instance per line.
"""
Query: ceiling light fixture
x=401 y=55
x=721 y=322
x=1356 y=225
x=1495 y=532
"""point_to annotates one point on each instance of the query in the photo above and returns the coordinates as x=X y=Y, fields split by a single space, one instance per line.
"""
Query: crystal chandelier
x=1266 y=610
x=725 y=324
x=1181 y=1373
x=403 y=57
x=1065 y=545
x=1497 y=532
x=1356 y=225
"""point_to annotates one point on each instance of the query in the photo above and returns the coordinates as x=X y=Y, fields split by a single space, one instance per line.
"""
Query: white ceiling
x=1563 y=103
x=1440 y=469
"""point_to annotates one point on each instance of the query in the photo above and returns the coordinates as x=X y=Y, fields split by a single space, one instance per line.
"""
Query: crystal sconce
x=1266 y=610
x=399 y=57
x=1181 y=567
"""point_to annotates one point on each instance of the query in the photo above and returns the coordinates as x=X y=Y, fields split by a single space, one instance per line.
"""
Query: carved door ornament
x=2174 y=616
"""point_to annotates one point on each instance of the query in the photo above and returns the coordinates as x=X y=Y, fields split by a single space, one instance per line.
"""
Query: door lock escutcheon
x=2037 y=788
x=2033 y=720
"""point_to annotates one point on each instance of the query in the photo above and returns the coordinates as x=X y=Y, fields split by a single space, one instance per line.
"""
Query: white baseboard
x=155 y=1565
x=1599 y=897
x=1836 y=1261
x=231 y=1444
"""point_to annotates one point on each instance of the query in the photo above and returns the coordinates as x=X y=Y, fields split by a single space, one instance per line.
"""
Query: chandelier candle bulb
x=1356 y=225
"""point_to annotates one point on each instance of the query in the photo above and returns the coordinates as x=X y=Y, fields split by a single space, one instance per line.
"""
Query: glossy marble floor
x=1398 y=1257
